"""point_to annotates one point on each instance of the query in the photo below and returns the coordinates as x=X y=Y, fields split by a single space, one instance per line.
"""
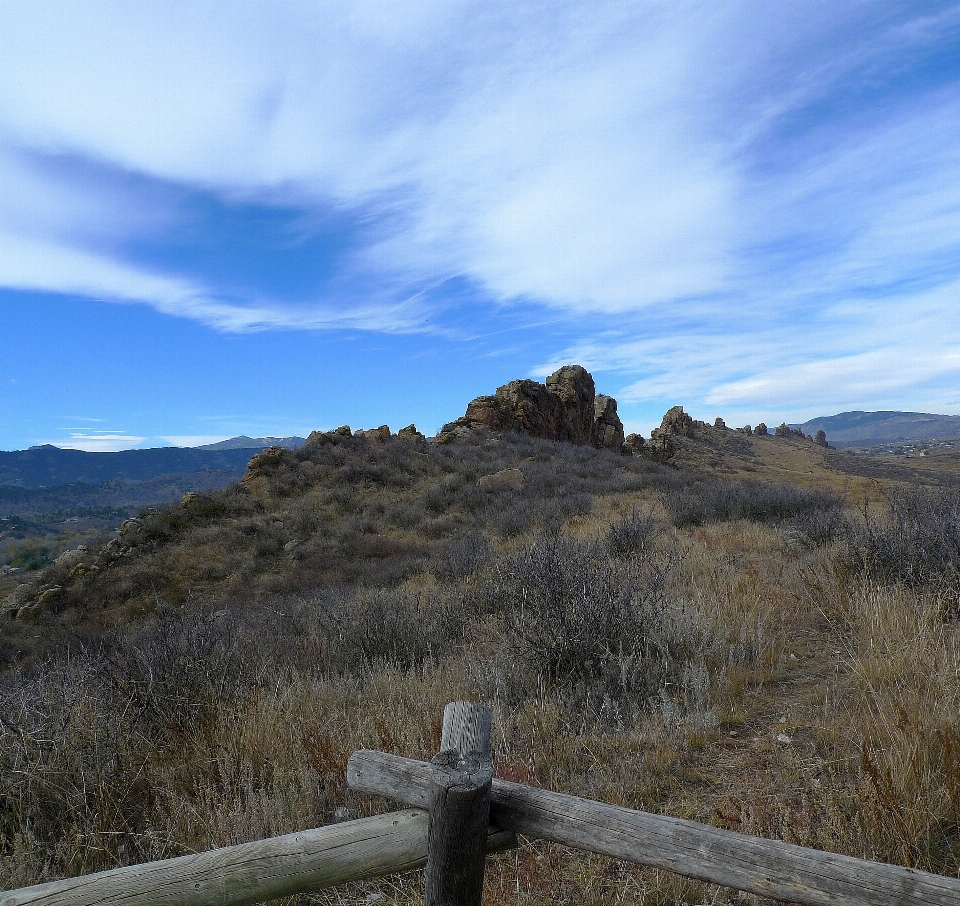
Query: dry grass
x=762 y=682
x=900 y=699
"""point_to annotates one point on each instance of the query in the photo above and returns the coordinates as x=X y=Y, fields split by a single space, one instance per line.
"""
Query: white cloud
x=890 y=353
x=547 y=156
x=872 y=377
x=99 y=442
x=27 y=263
x=739 y=198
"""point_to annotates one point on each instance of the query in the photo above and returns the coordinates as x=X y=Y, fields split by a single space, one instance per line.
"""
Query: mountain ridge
x=244 y=442
x=864 y=429
x=48 y=466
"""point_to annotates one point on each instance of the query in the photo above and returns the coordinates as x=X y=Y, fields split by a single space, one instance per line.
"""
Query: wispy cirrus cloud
x=707 y=191
x=862 y=353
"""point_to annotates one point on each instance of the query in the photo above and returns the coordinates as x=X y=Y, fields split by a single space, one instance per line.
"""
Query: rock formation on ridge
x=676 y=423
x=567 y=407
x=784 y=430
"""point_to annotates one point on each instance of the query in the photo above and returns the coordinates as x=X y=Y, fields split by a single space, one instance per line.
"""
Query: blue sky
x=226 y=218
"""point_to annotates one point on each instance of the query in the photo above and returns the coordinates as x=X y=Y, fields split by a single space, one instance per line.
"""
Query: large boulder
x=19 y=597
x=566 y=408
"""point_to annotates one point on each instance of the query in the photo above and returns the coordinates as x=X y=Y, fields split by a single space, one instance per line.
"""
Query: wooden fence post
x=461 y=777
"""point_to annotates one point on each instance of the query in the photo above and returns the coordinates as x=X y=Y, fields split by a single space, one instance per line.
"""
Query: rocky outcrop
x=264 y=461
x=525 y=406
x=411 y=433
x=607 y=427
x=784 y=430
x=573 y=386
x=381 y=434
x=635 y=444
x=676 y=423
x=761 y=430
x=565 y=408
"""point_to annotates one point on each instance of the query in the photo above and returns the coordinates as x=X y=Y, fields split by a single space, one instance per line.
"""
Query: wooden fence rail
x=458 y=817
x=770 y=868
x=253 y=872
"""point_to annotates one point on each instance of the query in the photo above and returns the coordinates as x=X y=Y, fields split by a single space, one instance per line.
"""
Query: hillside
x=708 y=625
x=873 y=429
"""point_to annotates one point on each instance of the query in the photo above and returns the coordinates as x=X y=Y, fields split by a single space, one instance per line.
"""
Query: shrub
x=821 y=524
x=757 y=501
x=100 y=728
x=916 y=542
x=388 y=626
x=460 y=557
x=512 y=520
x=631 y=534
x=591 y=626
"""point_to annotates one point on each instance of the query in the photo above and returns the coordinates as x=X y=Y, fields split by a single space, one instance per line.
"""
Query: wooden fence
x=460 y=814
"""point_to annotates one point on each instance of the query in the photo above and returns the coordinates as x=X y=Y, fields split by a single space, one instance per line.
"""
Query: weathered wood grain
x=459 y=807
x=254 y=872
x=466 y=728
x=769 y=868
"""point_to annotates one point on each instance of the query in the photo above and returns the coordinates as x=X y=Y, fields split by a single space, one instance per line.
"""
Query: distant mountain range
x=49 y=466
x=873 y=429
x=254 y=443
